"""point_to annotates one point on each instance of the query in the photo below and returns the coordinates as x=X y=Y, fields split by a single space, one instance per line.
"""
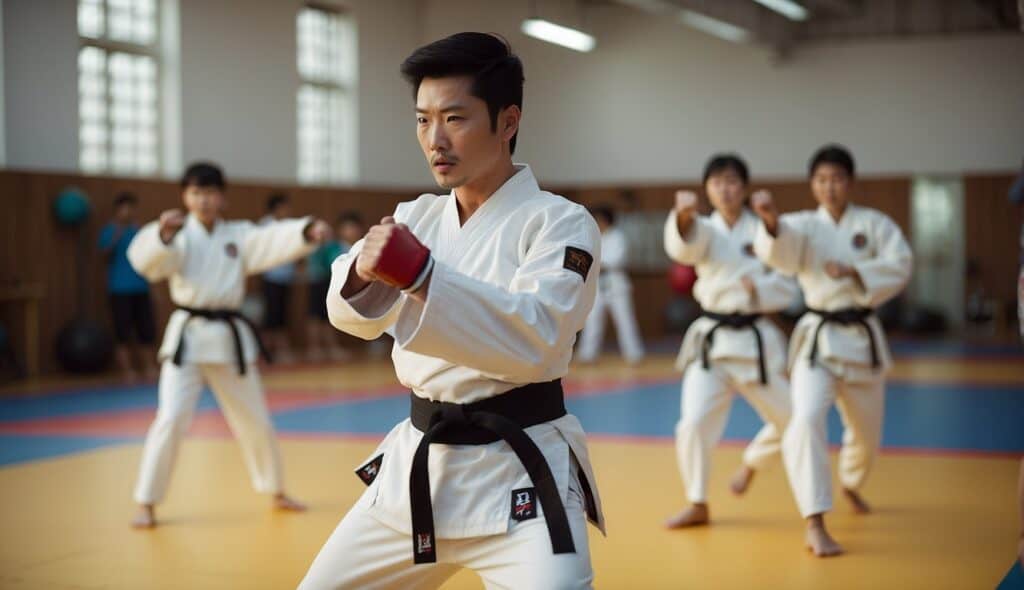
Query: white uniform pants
x=706 y=398
x=365 y=554
x=805 y=442
x=240 y=398
x=619 y=303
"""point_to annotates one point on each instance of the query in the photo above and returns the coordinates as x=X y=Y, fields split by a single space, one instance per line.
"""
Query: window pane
x=90 y=18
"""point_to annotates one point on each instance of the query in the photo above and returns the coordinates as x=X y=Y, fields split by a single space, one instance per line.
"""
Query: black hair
x=604 y=212
x=276 y=200
x=497 y=72
x=721 y=162
x=203 y=174
x=125 y=198
x=350 y=217
x=832 y=154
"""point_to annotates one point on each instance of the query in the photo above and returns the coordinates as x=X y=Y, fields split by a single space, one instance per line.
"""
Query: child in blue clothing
x=130 y=305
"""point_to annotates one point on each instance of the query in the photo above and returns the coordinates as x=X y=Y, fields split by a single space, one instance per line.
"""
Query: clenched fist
x=391 y=254
x=170 y=223
x=764 y=207
x=686 y=209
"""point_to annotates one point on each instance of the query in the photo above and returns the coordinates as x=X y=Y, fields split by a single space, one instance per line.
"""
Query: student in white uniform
x=484 y=290
x=614 y=296
x=849 y=260
x=733 y=347
x=207 y=341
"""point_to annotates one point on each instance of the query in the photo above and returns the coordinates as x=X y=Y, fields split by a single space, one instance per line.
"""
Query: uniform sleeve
x=785 y=251
x=614 y=251
x=691 y=248
x=368 y=313
x=151 y=257
x=775 y=291
x=275 y=243
x=886 y=274
x=513 y=332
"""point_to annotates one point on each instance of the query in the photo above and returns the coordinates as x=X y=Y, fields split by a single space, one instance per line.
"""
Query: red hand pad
x=402 y=259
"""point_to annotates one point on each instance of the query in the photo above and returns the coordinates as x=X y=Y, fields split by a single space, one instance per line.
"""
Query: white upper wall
x=40 y=86
x=648 y=105
x=655 y=98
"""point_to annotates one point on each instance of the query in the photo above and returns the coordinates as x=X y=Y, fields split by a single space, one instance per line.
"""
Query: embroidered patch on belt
x=424 y=543
x=524 y=504
x=748 y=249
x=371 y=470
x=231 y=250
x=859 y=241
x=578 y=261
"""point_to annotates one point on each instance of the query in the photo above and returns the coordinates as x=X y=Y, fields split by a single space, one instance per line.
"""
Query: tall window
x=118 y=86
x=326 y=98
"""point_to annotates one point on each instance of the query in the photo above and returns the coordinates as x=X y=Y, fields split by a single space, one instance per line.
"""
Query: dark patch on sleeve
x=578 y=261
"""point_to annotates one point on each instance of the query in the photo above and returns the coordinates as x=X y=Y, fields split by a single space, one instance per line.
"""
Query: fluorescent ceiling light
x=788 y=8
x=548 y=31
x=713 y=26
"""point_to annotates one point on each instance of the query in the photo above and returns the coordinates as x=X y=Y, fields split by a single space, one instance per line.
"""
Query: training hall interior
x=105 y=104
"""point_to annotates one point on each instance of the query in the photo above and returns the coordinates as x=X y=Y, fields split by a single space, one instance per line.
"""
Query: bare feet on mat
x=741 y=480
x=144 y=518
x=284 y=502
x=693 y=515
x=818 y=540
x=860 y=506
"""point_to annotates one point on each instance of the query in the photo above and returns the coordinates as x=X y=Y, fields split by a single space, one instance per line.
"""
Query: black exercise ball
x=84 y=346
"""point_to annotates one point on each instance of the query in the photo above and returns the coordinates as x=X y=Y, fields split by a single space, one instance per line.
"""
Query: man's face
x=726 y=191
x=454 y=131
x=205 y=203
x=830 y=185
x=282 y=211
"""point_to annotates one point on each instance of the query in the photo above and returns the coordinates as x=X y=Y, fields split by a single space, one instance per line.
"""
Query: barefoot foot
x=860 y=506
x=741 y=480
x=284 y=502
x=144 y=518
x=818 y=540
x=693 y=515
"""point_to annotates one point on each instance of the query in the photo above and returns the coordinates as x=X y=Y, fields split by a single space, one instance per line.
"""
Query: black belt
x=502 y=417
x=226 y=316
x=735 y=321
x=846 y=317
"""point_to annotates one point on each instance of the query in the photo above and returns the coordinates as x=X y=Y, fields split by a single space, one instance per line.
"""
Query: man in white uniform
x=732 y=347
x=207 y=341
x=614 y=295
x=484 y=290
x=849 y=260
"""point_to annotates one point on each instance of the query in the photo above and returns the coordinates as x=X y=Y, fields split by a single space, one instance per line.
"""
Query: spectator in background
x=277 y=287
x=130 y=306
x=321 y=336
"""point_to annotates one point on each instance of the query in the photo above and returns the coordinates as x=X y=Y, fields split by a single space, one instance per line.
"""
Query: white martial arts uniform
x=873 y=244
x=207 y=271
x=615 y=296
x=503 y=308
x=722 y=256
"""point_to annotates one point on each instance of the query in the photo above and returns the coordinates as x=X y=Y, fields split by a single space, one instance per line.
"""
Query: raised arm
x=157 y=252
x=686 y=237
x=780 y=240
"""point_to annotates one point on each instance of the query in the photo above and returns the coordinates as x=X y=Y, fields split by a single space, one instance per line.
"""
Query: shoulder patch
x=578 y=261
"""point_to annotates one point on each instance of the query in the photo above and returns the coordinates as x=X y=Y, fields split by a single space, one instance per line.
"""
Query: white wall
x=40 y=72
x=648 y=105
x=655 y=98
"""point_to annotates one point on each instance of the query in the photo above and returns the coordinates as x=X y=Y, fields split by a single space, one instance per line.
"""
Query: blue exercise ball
x=71 y=207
